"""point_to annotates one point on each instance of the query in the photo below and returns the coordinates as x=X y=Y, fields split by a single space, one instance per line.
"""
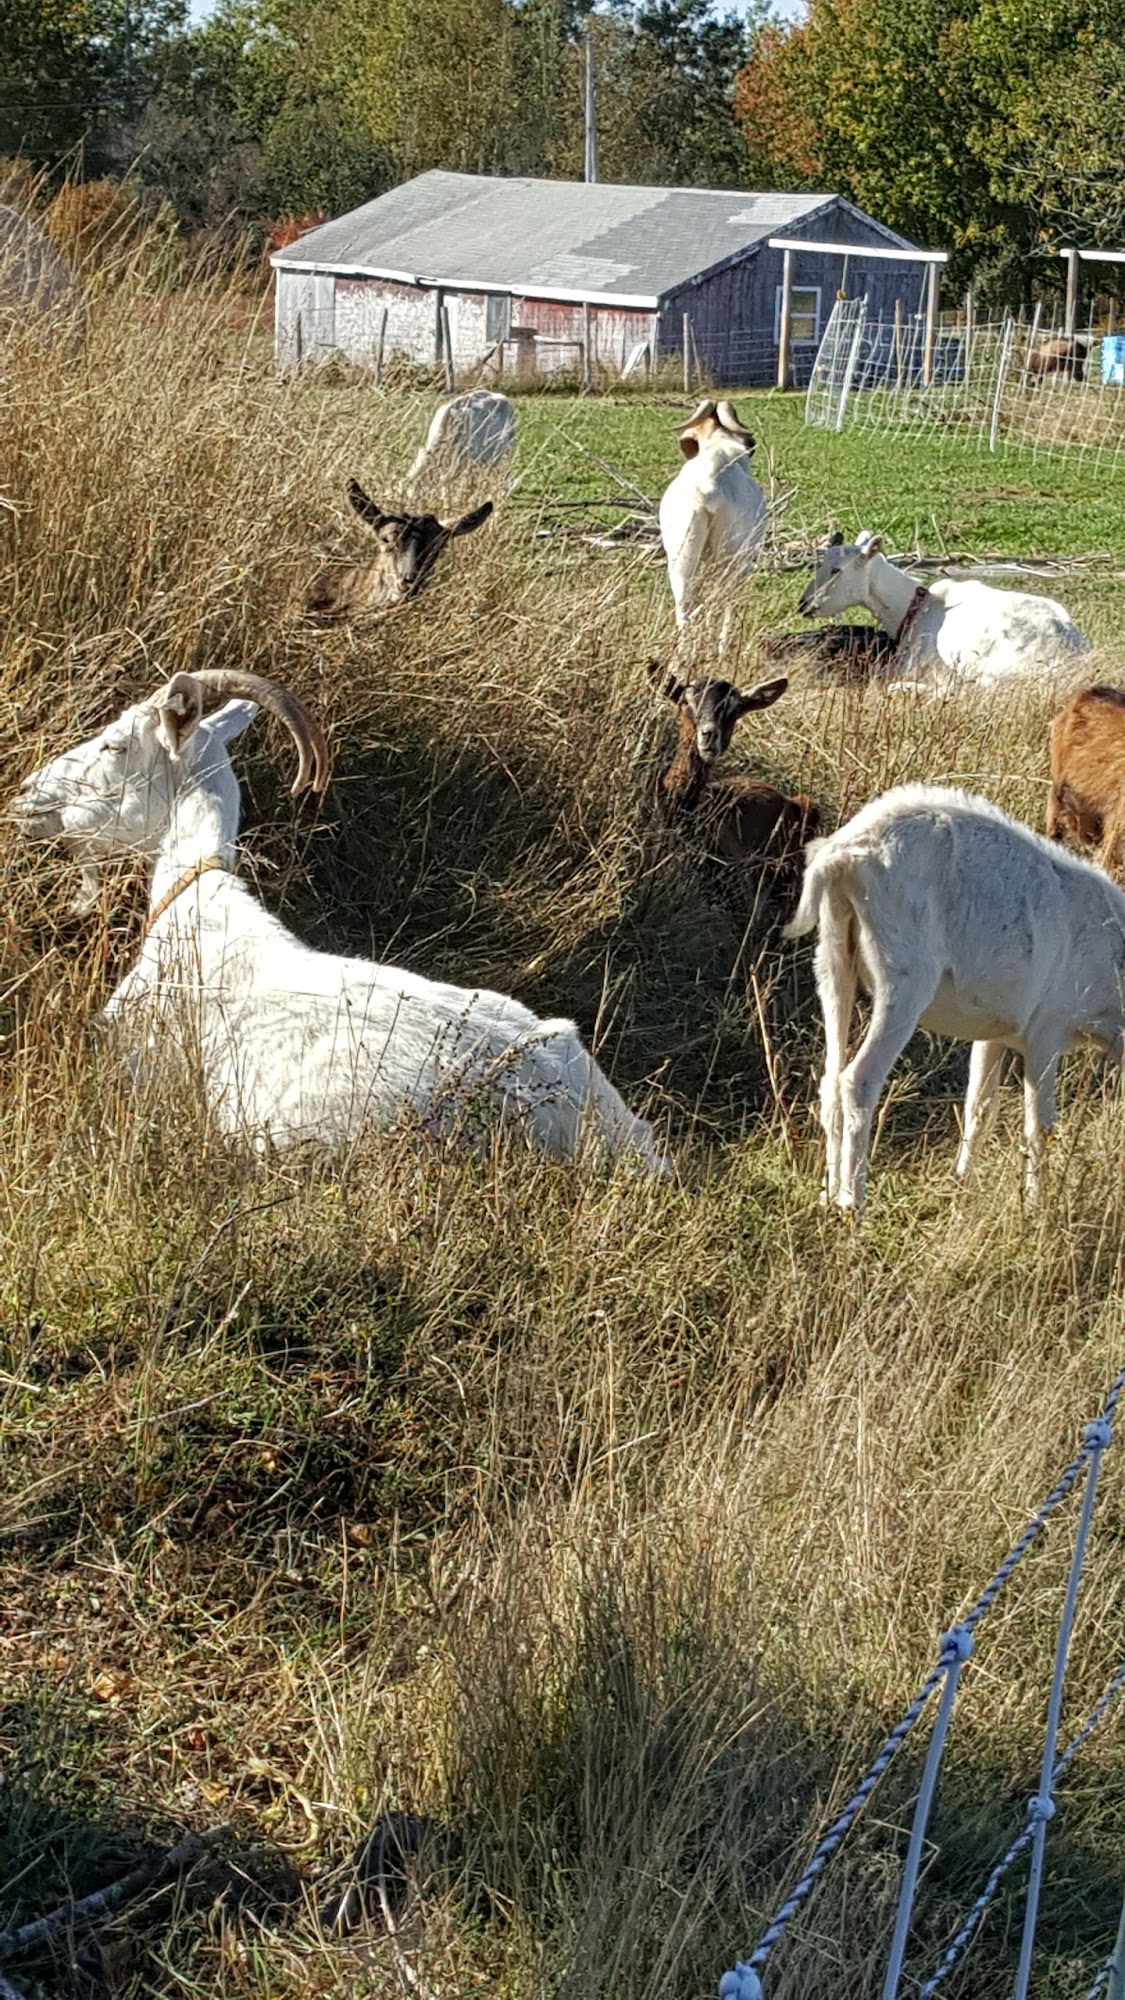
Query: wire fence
x=1009 y=383
x=744 y=1981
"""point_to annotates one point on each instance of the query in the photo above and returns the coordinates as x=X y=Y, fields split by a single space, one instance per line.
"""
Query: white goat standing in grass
x=713 y=515
x=478 y=428
x=294 y=1043
x=946 y=631
x=957 y=919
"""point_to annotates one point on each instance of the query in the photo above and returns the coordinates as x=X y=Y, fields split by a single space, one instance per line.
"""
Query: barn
x=525 y=273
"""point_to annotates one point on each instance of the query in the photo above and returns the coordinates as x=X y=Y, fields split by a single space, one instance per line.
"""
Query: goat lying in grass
x=713 y=515
x=409 y=546
x=948 y=630
x=957 y=919
x=293 y=1043
x=478 y=428
x=851 y=654
x=1087 y=797
x=751 y=833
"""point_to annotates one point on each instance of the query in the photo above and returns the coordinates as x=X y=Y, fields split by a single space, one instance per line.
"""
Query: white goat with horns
x=951 y=630
x=713 y=515
x=294 y=1043
x=957 y=919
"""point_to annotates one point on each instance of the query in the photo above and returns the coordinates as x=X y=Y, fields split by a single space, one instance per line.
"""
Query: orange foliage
x=771 y=105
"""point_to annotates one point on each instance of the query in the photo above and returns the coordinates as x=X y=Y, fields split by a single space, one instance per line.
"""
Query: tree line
x=994 y=128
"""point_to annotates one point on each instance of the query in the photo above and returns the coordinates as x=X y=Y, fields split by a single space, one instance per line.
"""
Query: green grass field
x=608 y=1524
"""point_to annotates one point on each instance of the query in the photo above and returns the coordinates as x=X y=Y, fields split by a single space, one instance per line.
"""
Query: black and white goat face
x=839 y=582
x=114 y=794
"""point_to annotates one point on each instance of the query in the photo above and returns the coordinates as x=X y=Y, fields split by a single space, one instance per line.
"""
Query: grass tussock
x=607 y=1524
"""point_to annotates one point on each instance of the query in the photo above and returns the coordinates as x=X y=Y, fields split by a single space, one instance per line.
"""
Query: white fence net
x=983 y=383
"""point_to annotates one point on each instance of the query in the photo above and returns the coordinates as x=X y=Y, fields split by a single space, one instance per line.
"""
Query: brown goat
x=1087 y=798
x=409 y=546
x=749 y=831
x=1065 y=355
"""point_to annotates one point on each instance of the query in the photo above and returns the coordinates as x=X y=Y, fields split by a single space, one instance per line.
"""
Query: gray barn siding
x=732 y=313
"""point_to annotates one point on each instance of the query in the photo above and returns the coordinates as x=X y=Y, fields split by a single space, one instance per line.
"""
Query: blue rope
x=742 y=1983
x=964 y=1936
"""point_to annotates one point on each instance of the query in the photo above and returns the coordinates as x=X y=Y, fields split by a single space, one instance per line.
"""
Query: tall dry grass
x=608 y=1524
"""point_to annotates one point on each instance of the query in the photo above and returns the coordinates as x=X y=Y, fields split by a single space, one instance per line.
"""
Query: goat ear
x=178 y=709
x=368 y=510
x=762 y=696
x=836 y=541
x=231 y=719
x=664 y=681
x=468 y=522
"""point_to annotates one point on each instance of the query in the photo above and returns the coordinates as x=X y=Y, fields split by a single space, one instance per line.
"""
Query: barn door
x=318 y=328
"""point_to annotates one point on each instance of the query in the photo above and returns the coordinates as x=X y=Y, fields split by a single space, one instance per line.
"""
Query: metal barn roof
x=561 y=239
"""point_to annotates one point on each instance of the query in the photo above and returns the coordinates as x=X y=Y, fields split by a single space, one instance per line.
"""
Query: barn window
x=498 y=316
x=804 y=314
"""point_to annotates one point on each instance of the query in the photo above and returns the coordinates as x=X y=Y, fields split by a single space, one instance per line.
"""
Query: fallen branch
x=145 y=1876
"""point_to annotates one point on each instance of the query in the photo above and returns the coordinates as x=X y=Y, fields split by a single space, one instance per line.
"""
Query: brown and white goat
x=408 y=548
x=1087 y=798
x=749 y=831
x=1065 y=355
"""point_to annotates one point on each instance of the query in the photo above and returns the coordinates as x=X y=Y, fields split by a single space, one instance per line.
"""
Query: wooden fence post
x=380 y=347
x=587 y=349
x=1071 y=327
x=786 y=311
x=447 y=344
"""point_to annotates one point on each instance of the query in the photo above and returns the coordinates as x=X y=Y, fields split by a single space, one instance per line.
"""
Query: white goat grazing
x=478 y=428
x=293 y=1043
x=948 y=630
x=713 y=515
x=957 y=919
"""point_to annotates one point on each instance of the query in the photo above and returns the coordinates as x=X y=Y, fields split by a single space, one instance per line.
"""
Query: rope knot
x=1098 y=1434
x=741 y=1984
x=1040 y=1807
x=956 y=1644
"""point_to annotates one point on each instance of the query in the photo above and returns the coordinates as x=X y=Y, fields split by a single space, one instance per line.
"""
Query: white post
x=849 y=371
x=1005 y=354
x=786 y=310
x=932 y=281
x=956 y=1649
x=687 y=356
x=1041 y=1807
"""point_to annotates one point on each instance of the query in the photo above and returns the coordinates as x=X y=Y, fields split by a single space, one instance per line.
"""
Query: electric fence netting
x=956 y=1647
x=982 y=384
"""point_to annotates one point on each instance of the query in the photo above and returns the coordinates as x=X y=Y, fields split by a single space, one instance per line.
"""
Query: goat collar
x=912 y=610
x=183 y=882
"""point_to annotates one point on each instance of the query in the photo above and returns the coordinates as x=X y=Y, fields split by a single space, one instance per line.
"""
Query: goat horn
x=704 y=409
x=730 y=420
x=314 y=764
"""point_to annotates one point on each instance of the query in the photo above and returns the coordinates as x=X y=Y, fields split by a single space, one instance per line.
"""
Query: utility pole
x=591 y=173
